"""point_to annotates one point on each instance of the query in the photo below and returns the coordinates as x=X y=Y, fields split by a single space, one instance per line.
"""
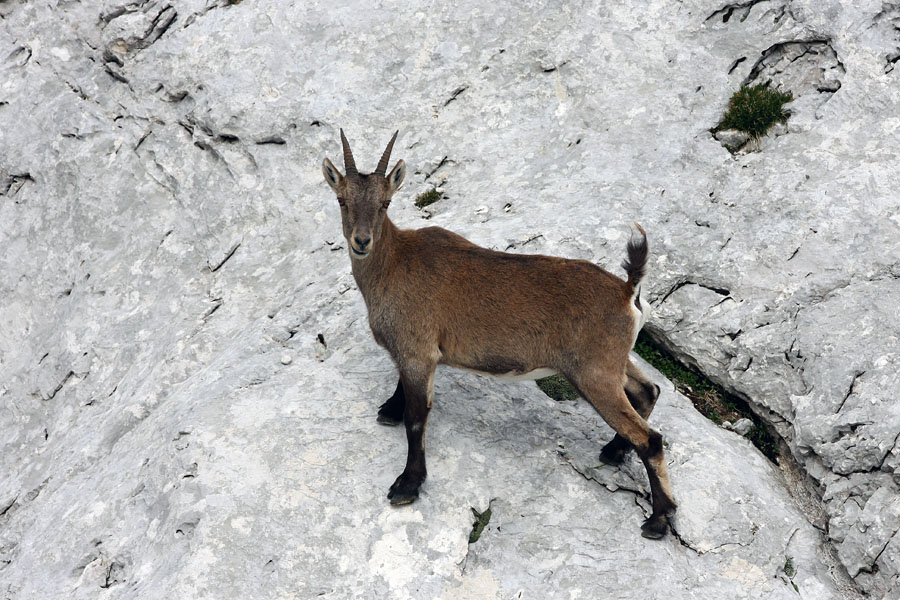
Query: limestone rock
x=742 y=426
x=167 y=238
x=732 y=138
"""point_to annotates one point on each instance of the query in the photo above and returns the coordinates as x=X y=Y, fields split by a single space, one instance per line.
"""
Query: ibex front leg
x=417 y=381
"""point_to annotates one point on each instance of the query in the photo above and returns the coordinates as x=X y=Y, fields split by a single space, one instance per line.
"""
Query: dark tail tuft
x=636 y=263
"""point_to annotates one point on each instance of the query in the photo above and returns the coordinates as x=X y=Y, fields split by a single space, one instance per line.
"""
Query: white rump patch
x=640 y=316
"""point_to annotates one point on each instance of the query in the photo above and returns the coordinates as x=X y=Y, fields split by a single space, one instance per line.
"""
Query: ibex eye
x=341 y=201
x=386 y=203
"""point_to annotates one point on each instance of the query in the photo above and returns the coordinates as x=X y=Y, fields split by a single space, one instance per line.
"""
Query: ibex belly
x=516 y=375
x=501 y=367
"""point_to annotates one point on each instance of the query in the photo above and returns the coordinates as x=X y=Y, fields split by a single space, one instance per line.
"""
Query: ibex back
x=435 y=298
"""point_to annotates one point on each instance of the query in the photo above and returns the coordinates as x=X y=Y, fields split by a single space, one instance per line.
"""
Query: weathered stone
x=167 y=238
x=778 y=129
x=742 y=426
x=732 y=138
x=801 y=67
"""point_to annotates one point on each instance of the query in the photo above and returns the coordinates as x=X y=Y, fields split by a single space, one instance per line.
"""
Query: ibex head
x=364 y=199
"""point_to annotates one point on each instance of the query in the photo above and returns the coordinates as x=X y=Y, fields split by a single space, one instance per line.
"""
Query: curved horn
x=349 y=164
x=383 y=163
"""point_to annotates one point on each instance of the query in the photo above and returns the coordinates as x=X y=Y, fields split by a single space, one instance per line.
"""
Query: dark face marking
x=365 y=198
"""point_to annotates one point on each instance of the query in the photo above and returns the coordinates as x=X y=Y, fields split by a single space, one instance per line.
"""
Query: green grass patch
x=754 y=109
x=789 y=569
x=428 y=198
x=481 y=521
x=557 y=387
x=712 y=401
x=760 y=437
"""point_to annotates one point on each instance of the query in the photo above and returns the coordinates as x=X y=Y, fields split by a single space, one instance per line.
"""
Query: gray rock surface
x=167 y=240
x=741 y=426
x=732 y=138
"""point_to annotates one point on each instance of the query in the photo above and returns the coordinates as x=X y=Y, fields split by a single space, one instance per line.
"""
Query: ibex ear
x=332 y=176
x=395 y=177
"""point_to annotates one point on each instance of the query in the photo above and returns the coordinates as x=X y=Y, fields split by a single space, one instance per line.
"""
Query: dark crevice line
x=762 y=61
x=681 y=284
x=231 y=252
x=555 y=67
x=456 y=94
x=728 y=10
x=141 y=141
x=7 y=508
x=212 y=310
x=849 y=393
x=444 y=161
x=60 y=385
x=874 y=567
x=735 y=64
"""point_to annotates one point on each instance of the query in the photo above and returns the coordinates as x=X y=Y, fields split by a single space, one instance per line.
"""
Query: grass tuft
x=557 y=387
x=481 y=521
x=754 y=109
x=427 y=198
x=789 y=569
x=760 y=437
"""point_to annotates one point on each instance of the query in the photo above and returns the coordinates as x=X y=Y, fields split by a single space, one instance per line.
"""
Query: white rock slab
x=165 y=234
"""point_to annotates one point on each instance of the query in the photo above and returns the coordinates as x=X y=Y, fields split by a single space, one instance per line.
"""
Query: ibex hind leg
x=391 y=412
x=606 y=394
x=642 y=394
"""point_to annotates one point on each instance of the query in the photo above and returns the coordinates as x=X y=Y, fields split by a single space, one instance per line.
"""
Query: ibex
x=434 y=298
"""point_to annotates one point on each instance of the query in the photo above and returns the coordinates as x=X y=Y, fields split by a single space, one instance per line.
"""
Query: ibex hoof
x=390 y=413
x=655 y=527
x=401 y=499
x=387 y=419
x=613 y=453
x=404 y=491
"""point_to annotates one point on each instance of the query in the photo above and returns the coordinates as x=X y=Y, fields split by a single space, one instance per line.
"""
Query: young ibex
x=435 y=298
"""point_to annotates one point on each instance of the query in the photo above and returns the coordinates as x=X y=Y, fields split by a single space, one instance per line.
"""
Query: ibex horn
x=349 y=164
x=383 y=163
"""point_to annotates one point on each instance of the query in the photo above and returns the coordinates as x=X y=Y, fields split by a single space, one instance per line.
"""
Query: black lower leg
x=391 y=412
x=643 y=399
x=614 y=452
x=657 y=524
x=415 y=417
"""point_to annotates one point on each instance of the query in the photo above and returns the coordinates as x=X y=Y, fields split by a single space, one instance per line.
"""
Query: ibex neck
x=371 y=273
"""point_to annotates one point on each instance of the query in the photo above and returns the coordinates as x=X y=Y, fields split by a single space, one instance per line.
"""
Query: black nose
x=362 y=242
